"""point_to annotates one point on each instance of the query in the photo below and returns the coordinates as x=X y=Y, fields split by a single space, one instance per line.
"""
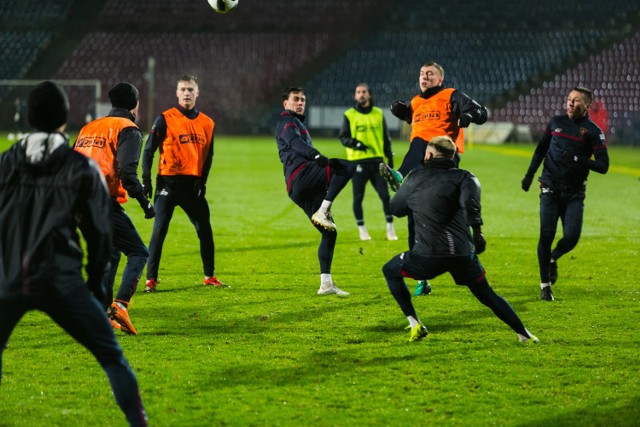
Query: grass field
x=269 y=352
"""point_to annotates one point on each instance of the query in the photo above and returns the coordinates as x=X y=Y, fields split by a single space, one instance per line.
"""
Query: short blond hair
x=436 y=66
x=444 y=146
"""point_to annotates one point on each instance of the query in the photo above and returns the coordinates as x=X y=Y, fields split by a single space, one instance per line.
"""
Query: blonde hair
x=443 y=146
x=436 y=66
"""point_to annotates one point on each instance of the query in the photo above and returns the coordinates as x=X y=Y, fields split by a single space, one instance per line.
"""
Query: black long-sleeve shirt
x=128 y=154
x=444 y=202
x=295 y=147
x=567 y=147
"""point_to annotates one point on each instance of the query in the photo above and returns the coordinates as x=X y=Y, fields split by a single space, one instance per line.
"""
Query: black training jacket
x=294 y=142
x=567 y=147
x=444 y=202
x=47 y=191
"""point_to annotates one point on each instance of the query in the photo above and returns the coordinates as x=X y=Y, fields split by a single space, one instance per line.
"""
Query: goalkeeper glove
x=147 y=207
x=401 y=110
x=199 y=187
x=465 y=120
x=321 y=160
x=147 y=188
x=359 y=146
x=526 y=181
x=479 y=242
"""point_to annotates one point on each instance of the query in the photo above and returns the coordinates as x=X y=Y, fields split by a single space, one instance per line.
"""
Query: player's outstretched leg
x=501 y=308
x=400 y=292
x=393 y=177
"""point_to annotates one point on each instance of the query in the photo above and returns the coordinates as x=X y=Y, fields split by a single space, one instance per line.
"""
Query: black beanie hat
x=47 y=107
x=124 y=95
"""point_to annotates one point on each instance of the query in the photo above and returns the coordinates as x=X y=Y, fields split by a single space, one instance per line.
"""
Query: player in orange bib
x=114 y=142
x=184 y=136
x=435 y=111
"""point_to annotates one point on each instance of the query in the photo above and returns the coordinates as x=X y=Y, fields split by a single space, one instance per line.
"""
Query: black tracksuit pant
x=170 y=193
x=82 y=317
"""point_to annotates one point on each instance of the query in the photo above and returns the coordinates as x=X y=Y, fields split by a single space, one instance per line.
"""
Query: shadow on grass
x=627 y=415
x=312 y=365
x=258 y=248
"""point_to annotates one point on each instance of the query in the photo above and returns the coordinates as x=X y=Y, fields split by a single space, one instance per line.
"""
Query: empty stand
x=31 y=14
x=275 y=15
x=614 y=77
x=483 y=64
x=19 y=50
x=235 y=70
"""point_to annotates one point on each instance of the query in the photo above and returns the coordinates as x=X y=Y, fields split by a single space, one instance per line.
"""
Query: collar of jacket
x=190 y=114
x=579 y=119
x=439 y=163
x=364 y=110
x=292 y=113
x=121 y=112
x=431 y=91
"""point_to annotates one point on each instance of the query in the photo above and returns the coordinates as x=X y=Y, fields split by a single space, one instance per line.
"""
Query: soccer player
x=184 y=136
x=445 y=202
x=313 y=180
x=435 y=111
x=114 y=142
x=47 y=190
x=364 y=132
x=571 y=146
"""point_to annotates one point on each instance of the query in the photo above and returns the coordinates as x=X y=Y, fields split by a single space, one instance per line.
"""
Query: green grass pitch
x=269 y=352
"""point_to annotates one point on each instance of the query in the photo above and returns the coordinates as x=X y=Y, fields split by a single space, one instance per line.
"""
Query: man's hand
x=147 y=207
x=321 y=160
x=147 y=188
x=479 y=241
x=199 y=187
x=359 y=146
x=401 y=110
x=465 y=120
x=526 y=182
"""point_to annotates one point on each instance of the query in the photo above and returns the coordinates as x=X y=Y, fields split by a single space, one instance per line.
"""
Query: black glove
x=321 y=160
x=390 y=163
x=526 y=181
x=147 y=207
x=199 y=187
x=479 y=241
x=464 y=120
x=401 y=110
x=147 y=188
x=359 y=146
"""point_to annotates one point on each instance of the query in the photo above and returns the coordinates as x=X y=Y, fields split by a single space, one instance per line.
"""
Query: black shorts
x=466 y=269
x=309 y=187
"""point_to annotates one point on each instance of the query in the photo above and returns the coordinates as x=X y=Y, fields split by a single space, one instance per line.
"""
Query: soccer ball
x=223 y=6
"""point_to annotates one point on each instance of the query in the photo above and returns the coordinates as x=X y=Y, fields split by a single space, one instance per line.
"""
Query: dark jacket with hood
x=47 y=191
x=445 y=203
